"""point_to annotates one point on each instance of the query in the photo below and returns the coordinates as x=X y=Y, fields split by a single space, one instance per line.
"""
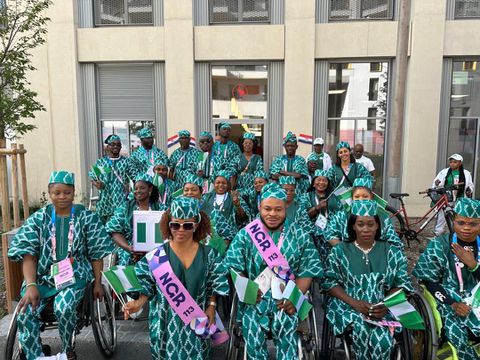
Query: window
x=123 y=12
x=341 y=10
x=237 y=11
x=373 y=89
x=467 y=9
x=376 y=67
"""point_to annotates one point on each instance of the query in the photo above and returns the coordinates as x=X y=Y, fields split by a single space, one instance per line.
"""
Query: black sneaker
x=47 y=350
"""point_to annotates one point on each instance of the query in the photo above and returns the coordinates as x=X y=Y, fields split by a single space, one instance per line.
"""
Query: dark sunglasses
x=187 y=226
x=467 y=223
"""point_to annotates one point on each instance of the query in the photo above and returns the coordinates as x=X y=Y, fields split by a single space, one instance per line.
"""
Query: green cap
x=468 y=207
x=194 y=179
x=261 y=174
x=249 y=136
x=364 y=208
x=319 y=172
x=290 y=137
x=206 y=134
x=146 y=132
x=185 y=208
x=366 y=182
x=273 y=191
x=287 y=180
x=111 y=138
x=313 y=156
x=144 y=177
x=223 y=173
x=225 y=125
x=342 y=144
x=62 y=177
x=184 y=133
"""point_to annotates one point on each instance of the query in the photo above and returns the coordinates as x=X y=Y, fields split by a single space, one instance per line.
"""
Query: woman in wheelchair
x=120 y=226
x=61 y=246
x=181 y=271
x=336 y=229
x=359 y=273
x=450 y=268
x=302 y=262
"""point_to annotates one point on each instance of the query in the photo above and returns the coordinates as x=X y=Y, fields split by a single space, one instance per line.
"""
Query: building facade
x=315 y=67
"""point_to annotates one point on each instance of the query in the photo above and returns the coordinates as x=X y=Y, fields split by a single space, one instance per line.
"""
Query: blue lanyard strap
x=459 y=265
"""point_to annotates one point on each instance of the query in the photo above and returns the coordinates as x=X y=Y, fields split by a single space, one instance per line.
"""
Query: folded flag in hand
x=122 y=279
x=381 y=204
x=247 y=289
x=298 y=299
x=216 y=241
x=158 y=182
x=344 y=195
x=403 y=311
x=99 y=170
x=177 y=193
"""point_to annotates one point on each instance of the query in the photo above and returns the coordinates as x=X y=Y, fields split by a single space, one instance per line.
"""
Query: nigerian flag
x=403 y=311
x=344 y=195
x=122 y=279
x=381 y=204
x=158 y=182
x=177 y=193
x=247 y=289
x=298 y=299
x=99 y=170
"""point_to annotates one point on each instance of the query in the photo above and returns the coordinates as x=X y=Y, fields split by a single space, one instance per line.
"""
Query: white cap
x=457 y=157
x=318 y=141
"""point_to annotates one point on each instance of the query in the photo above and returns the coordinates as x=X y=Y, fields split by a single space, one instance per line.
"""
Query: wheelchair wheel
x=103 y=324
x=235 y=331
x=12 y=348
x=328 y=340
x=310 y=340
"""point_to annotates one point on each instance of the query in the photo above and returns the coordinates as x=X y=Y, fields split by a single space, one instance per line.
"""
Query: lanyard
x=219 y=149
x=222 y=204
x=165 y=190
x=459 y=265
x=150 y=154
x=181 y=159
x=53 y=232
x=119 y=178
x=258 y=200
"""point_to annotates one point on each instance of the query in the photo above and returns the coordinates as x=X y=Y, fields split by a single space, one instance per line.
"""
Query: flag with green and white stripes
x=122 y=279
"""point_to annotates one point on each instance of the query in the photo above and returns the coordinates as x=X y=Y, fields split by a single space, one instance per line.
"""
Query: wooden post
x=23 y=174
x=4 y=190
x=15 y=198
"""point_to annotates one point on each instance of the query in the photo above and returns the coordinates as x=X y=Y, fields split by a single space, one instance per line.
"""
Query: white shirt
x=443 y=174
x=366 y=162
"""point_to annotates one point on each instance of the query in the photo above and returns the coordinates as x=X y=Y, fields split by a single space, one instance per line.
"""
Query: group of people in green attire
x=288 y=225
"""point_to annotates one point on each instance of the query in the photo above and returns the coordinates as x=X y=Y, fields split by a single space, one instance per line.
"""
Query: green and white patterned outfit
x=116 y=182
x=335 y=174
x=146 y=159
x=437 y=265
x=165 y=194
x=252 y=198
x=122 y=222
x=297 y=212
x=184 y=162
x=387 y=269
x=227 y=155
x=296 y=164
x=259 y=319
x=246 y=171
x=90 y=242
x=169 y=337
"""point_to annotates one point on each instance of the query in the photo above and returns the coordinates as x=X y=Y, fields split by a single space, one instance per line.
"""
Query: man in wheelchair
x=450 y=268
x=300 y=260
x=61 y=246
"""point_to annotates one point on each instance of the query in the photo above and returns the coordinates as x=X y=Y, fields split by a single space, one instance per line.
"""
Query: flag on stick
x=247 y=289
x=122 y=279
x=403 y=311
x=99 y=170
x=298 y=299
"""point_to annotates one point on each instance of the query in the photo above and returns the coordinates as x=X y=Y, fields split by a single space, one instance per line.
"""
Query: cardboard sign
x=146 y=230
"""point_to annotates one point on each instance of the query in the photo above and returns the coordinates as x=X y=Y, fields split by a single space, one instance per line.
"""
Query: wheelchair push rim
x=104 y=324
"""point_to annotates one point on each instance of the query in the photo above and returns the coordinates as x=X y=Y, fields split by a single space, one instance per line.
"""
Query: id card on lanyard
x=459 y=265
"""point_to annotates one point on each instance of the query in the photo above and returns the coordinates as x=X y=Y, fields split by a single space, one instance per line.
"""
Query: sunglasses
x=467 y=223
x=187 y=226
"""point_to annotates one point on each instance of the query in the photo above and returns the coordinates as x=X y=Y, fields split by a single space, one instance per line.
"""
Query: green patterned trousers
x=371 y=342
x=457 y=334
x=65 y=308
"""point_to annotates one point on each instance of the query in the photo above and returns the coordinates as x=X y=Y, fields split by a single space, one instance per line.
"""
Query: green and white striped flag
x=344 y=195
x=99 y=170
x=202 y=158
x=298 y=299
x=157 y=181
x=381 y=204
x=122 y=279
x=177 y=193
x=403 y=311
x=142 y=233
x=247 y=289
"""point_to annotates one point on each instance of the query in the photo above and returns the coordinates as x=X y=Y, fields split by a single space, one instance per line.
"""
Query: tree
x=22 y=28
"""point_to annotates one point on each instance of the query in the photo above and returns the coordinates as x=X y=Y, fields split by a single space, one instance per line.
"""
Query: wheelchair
x=431 y=343
x=308 y=337
x=97 y=313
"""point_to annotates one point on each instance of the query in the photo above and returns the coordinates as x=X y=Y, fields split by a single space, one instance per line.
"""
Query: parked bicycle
x=442 y=197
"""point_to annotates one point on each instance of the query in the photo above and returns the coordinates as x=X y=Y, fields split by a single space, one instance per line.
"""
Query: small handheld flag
x=403 y=311
x=247 y=290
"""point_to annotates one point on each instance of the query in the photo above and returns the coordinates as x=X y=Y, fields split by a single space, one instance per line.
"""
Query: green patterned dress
x=387 y=269
x=437 y=265
x=169 y=337
x=257 y=320
x=184 y=162
x=296 y=164
x=116 y=181
x=246 y=171
x=146 y=159
x=122 y=222
x=90 y=242
x=335 y=174
x=227 y=155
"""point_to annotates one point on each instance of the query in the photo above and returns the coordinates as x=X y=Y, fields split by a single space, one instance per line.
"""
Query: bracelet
x=31 y=284
x=475 y=268
x=212 y=303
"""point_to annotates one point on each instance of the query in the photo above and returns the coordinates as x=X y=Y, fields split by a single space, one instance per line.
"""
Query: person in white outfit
x=451 y=175
x=358 y=152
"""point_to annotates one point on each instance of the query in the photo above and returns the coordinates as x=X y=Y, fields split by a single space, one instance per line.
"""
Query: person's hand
x=98 y=292
x=210 y=312
x=322 y=205
x=131 y=307
x=334 y=242
x=461 y=309
x=437 y=182
x=378 y=312
x=32 y=296
x=287 y=306
x=200 y=173
x=137 y=255
x=235 y=198
x=468 y=192
x=98 y=184
x=276 y=176
x=259 y=295
x=362 y=307
x=464 y=255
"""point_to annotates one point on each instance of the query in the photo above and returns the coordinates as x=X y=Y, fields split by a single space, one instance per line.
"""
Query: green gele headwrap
x=261 y=174
x=206 y=134
x=225 y=125
x=290 y=137
x=184 y=133
x=223 y=173
x=146 y=132
x=273 y=191
x=185 y=208
x=319 y=172
x=194 y=179
x=312 y=157
x=144 y=177
x=342 y=144
x=467 y=207
x=364 y=208
x=366 y=182
x=62 y=177
x=111 y=138
x=249 y=136
x=287 y=180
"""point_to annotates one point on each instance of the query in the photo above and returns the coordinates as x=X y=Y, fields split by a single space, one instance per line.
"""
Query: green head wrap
x=261 y=174
x=184 y=133
x=366 y=182
x=290 y=137
x=144 y=177
x=206 y=134
x=223 y=173
x=111 y=138
x=273 y=191
x=225 y=125
x=312 y=157
x=146 y=132
x=185 y=208
x=287 y=180
x=319 y=172
x=468 y=207
x=194 y=179
x=342 y=144
x=364 y=208
x=249 y=136
x=62 y=177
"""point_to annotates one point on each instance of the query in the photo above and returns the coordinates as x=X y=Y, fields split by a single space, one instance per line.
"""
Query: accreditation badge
x=62 y=273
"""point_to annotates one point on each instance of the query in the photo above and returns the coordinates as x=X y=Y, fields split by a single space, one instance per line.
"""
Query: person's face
x=454 y=164
x=142 y=191
x=466 y=228
x=358 y=151
x=61 y=196
x=273 y=212
x=312 y=166
x=361 y=194
x=184 y=142
x=344 y=154
x=290 y=189
x=247 y=145
x=181 y=234
x=205 y=143
x=291 y=148
x=365 y=227
x=147 y=142
x=114 y=147
x=318 y=148
x=321 y=183
x=259 y=183
x=161 y=170
x=225 y=132
x=221 y=185
x=192 y=191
